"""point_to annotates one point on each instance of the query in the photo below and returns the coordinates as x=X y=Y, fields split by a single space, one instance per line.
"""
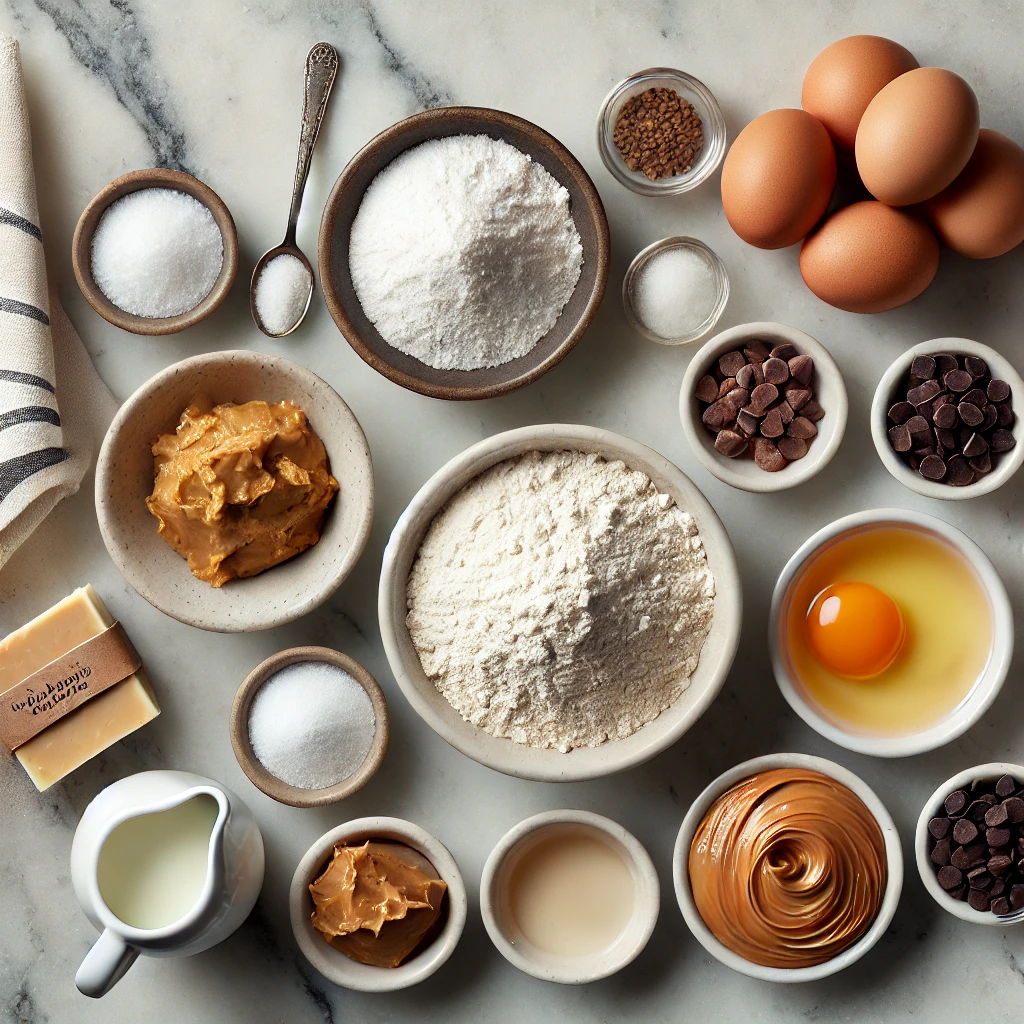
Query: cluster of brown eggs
x=909 y=138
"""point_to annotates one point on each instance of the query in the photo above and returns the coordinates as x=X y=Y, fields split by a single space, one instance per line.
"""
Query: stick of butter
x=90 y=727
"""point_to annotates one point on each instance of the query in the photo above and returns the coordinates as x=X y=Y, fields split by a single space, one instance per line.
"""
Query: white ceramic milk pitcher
x=166 y=864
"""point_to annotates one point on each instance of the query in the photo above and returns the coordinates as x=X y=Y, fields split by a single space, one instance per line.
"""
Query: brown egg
x=869 y=257
x=981 y=214
x=778 y=178
x=916 y=136
x=844 y=78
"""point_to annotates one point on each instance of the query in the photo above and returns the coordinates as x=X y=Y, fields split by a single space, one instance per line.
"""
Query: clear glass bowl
x=712 y=259
x=690 y=89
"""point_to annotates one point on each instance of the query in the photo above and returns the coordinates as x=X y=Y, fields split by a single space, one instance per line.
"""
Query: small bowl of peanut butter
x=234 y=491
x=377 y=904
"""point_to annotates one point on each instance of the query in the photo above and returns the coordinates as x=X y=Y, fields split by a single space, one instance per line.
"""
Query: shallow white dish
x=331 y=962
x=124 y=479
x=885 y=396
x=928 y=871
x=829 y=391
x=970 y=709
x=681 y=871
x=583 y=762
x=519 y=951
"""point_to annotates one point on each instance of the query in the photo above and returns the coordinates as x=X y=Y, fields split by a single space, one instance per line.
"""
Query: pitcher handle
x=104 y=965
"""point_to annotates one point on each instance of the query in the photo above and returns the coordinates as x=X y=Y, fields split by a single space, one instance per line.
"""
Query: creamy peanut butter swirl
x=788 y=868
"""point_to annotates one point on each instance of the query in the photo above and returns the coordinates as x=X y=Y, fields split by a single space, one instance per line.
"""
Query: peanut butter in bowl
x=240 y=488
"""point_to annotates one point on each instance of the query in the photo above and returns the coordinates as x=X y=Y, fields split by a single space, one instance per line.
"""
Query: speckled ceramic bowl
x=124 y=478
x=549 y=764
x=331 y=962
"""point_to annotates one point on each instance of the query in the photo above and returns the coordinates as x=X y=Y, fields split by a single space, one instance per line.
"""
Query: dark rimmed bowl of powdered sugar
x=503 y=753
x=343 y=205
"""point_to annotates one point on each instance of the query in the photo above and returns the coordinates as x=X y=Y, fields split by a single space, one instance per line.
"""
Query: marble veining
x=115 y=85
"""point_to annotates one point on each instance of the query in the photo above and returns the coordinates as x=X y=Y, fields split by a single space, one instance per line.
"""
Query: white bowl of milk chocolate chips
x=377 y=904
x=944 y=419
x=217 y=529
x=763 y=406
x=511 y=626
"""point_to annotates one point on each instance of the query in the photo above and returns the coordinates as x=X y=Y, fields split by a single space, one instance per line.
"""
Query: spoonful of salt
x=282 y=281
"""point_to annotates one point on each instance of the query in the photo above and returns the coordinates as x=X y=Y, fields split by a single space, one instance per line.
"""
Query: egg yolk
x=855 y=630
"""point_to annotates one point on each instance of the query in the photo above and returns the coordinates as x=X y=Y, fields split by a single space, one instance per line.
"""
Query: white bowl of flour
x=583 y=657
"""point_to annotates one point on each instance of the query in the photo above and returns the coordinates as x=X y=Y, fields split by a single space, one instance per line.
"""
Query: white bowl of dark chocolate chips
x=970 y=844
x=944 y=419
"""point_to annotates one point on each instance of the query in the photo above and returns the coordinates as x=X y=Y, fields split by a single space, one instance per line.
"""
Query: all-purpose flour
x=463 y=252
x=560 y=601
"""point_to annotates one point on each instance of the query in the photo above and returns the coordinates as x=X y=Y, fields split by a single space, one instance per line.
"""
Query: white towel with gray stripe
x=53 y=404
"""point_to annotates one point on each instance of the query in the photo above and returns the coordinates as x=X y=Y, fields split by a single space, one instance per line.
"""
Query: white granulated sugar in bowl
x=560 y=600
x=311 y=725
x=463 y=252
x=156 y=252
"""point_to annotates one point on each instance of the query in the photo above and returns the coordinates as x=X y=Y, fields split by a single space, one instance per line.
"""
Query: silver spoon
x=321 y=68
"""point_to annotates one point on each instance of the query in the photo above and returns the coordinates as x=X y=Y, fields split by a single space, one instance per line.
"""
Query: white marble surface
x=215 y=87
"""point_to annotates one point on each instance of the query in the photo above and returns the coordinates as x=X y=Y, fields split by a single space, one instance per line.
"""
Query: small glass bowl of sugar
x=675 y=290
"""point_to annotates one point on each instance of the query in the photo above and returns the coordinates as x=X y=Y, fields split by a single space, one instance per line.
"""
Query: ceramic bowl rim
x=503 y=755
x=337 y=967
x=104 y=473
x=927 y=870
x=268 y=783
x=823 y=448
x=985 y=690
x=893 y=854
x=593 y=209
x=136 y=181
x=884 y=396
x=646 y=909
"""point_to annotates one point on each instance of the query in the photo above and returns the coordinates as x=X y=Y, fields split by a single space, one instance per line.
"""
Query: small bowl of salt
x=309 y=726
x=675 y=291
x=155 y=251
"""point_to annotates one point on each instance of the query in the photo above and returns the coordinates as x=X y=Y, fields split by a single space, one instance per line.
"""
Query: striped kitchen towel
x=52 y=402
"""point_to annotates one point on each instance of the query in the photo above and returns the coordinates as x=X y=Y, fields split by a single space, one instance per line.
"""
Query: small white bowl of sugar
x=309 y=726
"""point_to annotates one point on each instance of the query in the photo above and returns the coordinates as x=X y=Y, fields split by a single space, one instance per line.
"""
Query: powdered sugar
x=463 y=252
x=559 y=600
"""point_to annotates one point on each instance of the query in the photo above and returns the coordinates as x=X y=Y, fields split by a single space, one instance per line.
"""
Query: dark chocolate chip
x=978 y=899
x=932 y=467
x=970 y=414
x=939 y=827
x=923 y=393
x=1007 y=418
x=956 y=802
x=813 y=411
x=776 y=371
x=991 y=418
x=1002 y=441
x=996 y=836
x=945 y=416
x=1000 y=906
x=771 y=425
x=965 y=831
x=996 y=815
x=900 y=412
x=785 y=411
x=1000 y=863
x=999 y=884
x=707 y=389
x=918 y=425
x=1005 y=785
x=1014 y=810
x=718 y=414
x=958 y=472
x=976 y=445
x=803 y=428
x=944 y=362
x=726 y=386
x=799 y=396
x=762 y=396
x=957 y=380
x=801 y=368
x=979 y=878
x=941 y=853
x=747 y=376
x=975 y=366
x=1017 y=896
x=785 y=352
x=965 y=857
x=755 y=350
x=950 y=877
x=730 y=443
x=976 y=397
x=923 y=366
x=795 y=448
x=747 y=422
x=997 y=391
x=731 y=362
x=766 y=455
